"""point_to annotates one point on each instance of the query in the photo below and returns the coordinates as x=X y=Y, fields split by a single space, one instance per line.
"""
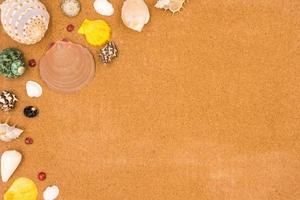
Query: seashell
x=172 y=5
x=24 y=21
x=135 y=14
x=67 y=67
x=71 y=8
x=22 y=189
x=51 y=193
x=33 y=89
x=12 y=63
x=97 y=32
x=103 y=7
x=10 y=161
x=8 y=100
x=9 y=133
x=31 y=111
x=108 y=52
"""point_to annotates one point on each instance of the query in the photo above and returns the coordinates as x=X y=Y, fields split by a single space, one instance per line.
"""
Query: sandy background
x=202 y=105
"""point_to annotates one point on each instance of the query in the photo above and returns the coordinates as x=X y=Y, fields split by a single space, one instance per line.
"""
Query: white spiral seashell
x=25 y=21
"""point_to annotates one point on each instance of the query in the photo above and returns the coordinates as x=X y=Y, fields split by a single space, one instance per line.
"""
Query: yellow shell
x=22 y=189
x=96 y=32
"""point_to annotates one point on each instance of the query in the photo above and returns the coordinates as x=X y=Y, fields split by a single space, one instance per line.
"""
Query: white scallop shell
x=25 y=21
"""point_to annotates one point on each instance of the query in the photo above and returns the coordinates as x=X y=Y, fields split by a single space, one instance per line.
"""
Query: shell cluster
x=8 y=100
x=25 y=21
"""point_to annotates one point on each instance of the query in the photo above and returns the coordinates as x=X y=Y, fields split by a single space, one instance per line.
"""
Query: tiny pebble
x=28 y=140
x=42 y=176
x=32 y=63
x=70 y=28
x=31 y=111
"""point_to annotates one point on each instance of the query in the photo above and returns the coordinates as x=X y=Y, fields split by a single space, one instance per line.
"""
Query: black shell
x=31 y=111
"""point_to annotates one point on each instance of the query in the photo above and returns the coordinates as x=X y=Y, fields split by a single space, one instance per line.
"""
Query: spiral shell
x=25 y=21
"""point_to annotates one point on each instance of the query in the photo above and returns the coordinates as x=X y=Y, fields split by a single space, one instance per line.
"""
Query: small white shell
x=33 y=89
x=9 y=133
x=10 y=161
x=135 y=14
x=51 y=193
x=103 y=7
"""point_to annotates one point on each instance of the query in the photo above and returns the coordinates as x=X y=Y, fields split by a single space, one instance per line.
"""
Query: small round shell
x=70 y=8
x=33 y=89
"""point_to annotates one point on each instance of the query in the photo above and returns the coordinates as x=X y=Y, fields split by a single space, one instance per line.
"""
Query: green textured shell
x=12 y=63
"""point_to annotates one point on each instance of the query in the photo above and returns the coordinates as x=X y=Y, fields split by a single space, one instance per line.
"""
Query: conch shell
x=135 y=14
x=172 y=5
x=9 y=133
x=24 y=21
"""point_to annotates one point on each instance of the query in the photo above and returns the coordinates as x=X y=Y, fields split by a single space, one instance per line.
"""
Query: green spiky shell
x=12 y=63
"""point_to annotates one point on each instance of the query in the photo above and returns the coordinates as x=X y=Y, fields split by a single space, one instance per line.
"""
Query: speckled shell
x=25 y=21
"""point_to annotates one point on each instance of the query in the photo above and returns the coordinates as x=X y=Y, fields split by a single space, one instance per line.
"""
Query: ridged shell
x=25 y=21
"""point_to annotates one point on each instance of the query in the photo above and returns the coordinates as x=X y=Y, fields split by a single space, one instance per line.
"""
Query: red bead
x=32 y=63
x=70 y=28
x=28 y=140
x=42 y=176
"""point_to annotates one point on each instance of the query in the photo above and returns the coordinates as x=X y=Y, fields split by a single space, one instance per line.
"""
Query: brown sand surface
x=202 y=105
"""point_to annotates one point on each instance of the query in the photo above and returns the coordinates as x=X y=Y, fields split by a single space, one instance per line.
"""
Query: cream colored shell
x=25 y=21
x=135 y=14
